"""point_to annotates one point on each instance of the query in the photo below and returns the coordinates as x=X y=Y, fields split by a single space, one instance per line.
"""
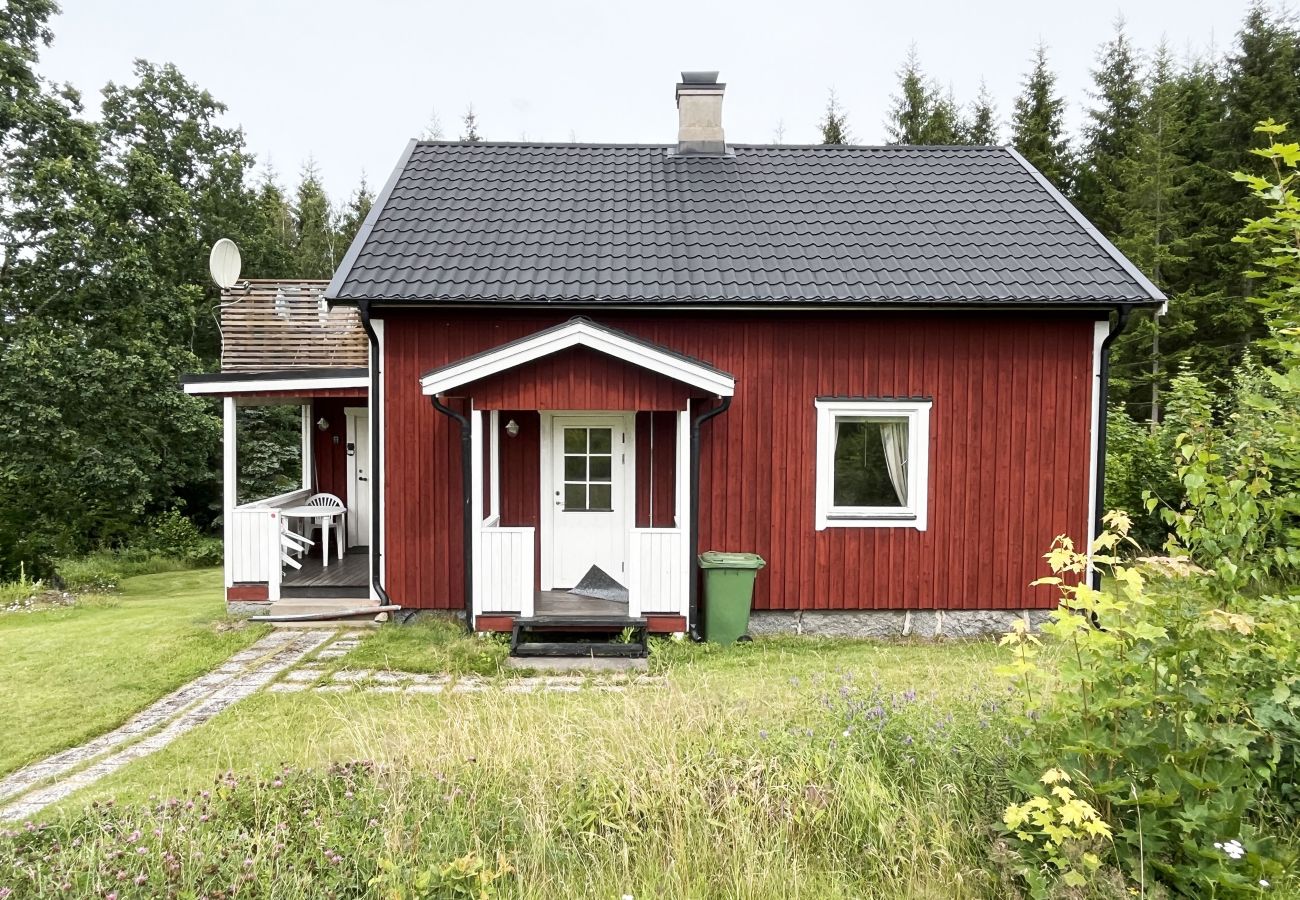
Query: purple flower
x=141 y=879
x=907 y=741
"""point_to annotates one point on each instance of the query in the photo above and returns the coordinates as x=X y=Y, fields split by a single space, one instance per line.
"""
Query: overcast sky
x=349 y=82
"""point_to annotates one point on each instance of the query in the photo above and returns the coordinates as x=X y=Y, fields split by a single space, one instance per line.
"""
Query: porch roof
x=287 y=382
x=579 y=332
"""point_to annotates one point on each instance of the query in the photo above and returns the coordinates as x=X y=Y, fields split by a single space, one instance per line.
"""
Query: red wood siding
x=330 y=447
x=656 y=460
x=249 y=591
x=521 y=490
x=1009 y=449
x=577 y=379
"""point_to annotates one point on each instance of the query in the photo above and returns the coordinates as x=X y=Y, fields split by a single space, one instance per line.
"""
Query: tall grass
x=840 y=790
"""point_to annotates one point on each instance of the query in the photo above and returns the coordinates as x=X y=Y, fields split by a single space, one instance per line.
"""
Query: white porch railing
x=657 y=571
x=505 y=576
x=254 y=548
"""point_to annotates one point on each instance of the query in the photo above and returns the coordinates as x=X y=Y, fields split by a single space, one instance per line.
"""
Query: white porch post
x=494 y=454
x=476 y=503
x=229 y=485
x=683 y=521
x=308 y=463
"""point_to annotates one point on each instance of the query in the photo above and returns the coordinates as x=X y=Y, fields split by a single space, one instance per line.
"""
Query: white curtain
x=893 y=435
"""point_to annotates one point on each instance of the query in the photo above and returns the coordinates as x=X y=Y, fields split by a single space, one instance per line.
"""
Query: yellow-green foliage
x=1174 y=718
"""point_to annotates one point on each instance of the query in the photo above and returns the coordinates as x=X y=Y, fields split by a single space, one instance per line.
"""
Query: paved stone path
x=275 y=660
x=156 y=726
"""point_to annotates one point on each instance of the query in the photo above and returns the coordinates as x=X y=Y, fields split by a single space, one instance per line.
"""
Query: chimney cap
x=700 y=77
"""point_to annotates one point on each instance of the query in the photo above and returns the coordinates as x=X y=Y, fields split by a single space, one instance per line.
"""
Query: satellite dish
x=224 y=263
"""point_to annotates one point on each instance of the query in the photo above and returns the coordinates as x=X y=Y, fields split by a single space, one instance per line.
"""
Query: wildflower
x=248 y=862
x=5 y=892
x=847 y=732
x=909 y=695
x=1263 y=883
x=142 y=850
x=907 y=741
x=762 y=735
x=141 y=879
x=277 y=783
x=1233 y=849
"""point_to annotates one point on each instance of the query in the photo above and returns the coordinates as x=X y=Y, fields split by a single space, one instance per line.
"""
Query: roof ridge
x=616 y=145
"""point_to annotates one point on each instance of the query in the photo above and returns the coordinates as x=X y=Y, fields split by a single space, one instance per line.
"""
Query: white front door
x=358 y=500
x=589 y=497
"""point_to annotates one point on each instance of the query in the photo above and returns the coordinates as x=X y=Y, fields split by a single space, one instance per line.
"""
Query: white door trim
x=547 y=481
x=355 y=534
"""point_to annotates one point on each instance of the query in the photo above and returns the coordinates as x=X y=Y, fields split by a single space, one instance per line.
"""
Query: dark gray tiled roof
x=572 y=223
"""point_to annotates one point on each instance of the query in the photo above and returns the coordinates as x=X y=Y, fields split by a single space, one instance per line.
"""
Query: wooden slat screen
x=270 y=325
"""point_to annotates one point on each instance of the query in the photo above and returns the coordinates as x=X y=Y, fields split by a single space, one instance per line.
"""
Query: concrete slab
x=578 y=663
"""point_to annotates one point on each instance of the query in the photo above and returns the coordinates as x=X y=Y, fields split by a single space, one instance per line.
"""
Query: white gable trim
x=577 y=334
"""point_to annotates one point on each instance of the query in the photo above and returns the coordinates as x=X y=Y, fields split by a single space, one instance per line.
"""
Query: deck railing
x=505 y=577
x=657 y=571
x=254 y=551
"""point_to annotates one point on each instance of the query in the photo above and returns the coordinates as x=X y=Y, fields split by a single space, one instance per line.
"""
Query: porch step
x=579 y=649
x=579 y=636
x=314 y=591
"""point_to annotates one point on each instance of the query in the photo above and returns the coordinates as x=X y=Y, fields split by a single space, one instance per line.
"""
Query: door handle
x=362 y=478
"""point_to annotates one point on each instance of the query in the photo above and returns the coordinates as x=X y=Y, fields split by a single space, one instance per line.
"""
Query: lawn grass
x=734 y=778
x=73 y=673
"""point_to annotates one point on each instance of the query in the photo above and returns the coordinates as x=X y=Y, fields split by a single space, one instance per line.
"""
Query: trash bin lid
x=717 y=559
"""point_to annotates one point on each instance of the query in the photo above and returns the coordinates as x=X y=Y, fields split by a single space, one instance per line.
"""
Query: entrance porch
x=578 y=479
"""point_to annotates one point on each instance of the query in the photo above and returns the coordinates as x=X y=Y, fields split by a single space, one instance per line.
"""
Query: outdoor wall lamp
x=512 y=428
x=323 y=423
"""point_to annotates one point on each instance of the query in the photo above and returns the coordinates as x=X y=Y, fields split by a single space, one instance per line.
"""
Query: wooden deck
x=346 y=577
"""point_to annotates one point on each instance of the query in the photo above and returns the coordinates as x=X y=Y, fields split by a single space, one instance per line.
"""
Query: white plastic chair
x=331 y=505
x=292 y=542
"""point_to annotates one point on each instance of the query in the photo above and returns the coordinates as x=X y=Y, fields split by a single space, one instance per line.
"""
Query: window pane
x=575 y=440
x=600 y=496
x=575 y=497
x=600 y=468
x=575 y=468
x=862 y=472
x=602 y=440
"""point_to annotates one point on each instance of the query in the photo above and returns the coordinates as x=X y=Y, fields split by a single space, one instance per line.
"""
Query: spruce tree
x=469 y=126
x=355 y=212
x=920 y=113
x=315 y=252
x=1038 y=126
x=835 y=122
x=982 y=128
x=1109 y=136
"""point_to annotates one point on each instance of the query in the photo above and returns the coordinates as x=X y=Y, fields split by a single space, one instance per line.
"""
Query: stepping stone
x=563 y=688
x=334 y=688
x=429 y=679
x=305 y=674
x=523 y=686
x=385 y=689
x=331 y=653
x=284 y=687
x=425 y=689
x=351 y=675
x=468 y=687
x=388 y=677
x=346 y=645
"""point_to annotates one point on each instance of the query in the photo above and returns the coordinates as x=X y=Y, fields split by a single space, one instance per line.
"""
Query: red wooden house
x=881 y=368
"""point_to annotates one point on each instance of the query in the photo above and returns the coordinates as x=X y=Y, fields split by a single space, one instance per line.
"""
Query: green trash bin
x=728 y=593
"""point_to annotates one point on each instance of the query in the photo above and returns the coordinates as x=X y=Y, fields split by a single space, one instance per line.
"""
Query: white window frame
x=913 y=513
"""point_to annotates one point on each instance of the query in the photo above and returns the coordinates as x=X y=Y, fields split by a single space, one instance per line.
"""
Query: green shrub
x=1175 y=717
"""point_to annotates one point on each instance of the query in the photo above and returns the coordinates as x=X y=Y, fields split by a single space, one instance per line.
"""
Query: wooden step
x=579 y=649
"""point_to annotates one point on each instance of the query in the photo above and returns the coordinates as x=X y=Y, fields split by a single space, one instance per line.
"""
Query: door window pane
x=602 y=440
x=600 y=497
x=575 y=440
x=575 y=497
x=575 y=468
x=862 y=470
x=600 y=468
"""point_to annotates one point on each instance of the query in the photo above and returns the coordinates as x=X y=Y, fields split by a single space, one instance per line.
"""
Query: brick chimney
x=699 y=115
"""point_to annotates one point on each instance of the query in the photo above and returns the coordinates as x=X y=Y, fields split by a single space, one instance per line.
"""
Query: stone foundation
x=887 y=623
x=247 y=607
